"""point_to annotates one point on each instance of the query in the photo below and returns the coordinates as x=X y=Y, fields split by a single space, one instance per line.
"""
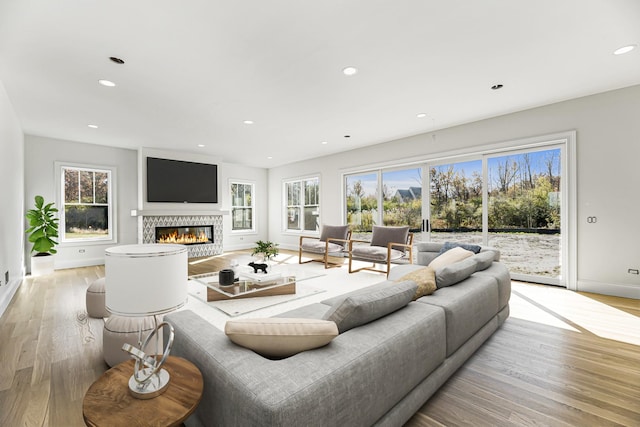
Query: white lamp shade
x=145 y=280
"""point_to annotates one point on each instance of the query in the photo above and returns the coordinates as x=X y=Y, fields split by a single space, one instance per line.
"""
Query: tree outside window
x=303 y=204
x=242 y=206
x=86 y=213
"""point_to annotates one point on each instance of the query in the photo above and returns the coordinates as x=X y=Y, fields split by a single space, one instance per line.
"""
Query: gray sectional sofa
x=379 y=373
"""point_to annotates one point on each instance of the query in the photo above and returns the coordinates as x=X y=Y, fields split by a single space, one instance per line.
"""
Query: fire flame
x=185 y=238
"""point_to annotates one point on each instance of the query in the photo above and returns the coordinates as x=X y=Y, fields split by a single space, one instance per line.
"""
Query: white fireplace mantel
x=166 y=212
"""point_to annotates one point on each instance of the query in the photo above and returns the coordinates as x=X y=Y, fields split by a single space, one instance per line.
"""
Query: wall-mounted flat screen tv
x=176 y=181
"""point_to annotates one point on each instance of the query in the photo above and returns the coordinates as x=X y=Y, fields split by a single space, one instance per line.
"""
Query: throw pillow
x=334 y=232
x=280 y=337
x=456 y=272
x=425 y=278
x=450 y=245
x=484 y=260
x=449 y=257
x=357 y=310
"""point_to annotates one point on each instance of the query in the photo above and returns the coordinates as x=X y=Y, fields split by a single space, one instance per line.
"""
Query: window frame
x=302 y=181
x=252 y=184
x=111 y=237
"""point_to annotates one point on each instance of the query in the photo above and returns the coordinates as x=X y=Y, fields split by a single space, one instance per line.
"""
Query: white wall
x=608 y=174
x=226 y=173
x=12 y=222
x=41 y=153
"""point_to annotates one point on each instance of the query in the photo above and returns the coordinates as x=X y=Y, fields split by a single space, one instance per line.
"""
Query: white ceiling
x=195 y=70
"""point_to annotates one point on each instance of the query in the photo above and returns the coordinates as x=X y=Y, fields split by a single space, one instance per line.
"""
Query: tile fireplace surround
x=149 y=224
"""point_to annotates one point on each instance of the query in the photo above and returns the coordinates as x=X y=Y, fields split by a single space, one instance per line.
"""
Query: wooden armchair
x=333 y=241
x=388 y=245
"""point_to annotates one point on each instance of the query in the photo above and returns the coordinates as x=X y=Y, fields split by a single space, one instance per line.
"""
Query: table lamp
x=146 y=280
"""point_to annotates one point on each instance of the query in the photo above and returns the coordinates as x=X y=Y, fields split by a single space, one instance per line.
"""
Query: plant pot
x=42 y=265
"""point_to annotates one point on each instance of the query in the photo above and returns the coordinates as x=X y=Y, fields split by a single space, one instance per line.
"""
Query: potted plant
x=266 y=249
x=43 y=228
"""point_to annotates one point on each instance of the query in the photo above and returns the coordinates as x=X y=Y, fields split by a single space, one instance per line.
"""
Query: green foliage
x=43 y=227
x=269 y=249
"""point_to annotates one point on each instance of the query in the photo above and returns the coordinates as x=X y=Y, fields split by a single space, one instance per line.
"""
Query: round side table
x=109 y=403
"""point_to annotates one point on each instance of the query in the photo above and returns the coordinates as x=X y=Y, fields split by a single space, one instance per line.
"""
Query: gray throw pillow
x=383 y=235
x=456 y=272
x=484 y=260
x=450 y=245
x=360 y=309
x=334 y=232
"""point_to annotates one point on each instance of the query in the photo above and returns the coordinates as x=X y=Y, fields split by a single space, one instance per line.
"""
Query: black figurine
x=258 y=267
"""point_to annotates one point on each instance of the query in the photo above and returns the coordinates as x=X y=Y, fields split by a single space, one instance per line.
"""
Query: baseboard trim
x=7 y=296
x=613 y=289
x=79 y=263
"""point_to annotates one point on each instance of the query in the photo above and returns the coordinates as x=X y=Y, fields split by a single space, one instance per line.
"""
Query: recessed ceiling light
x=93 y=126
x=496 y=87
x=201 y=145
x=324 y=142
x=107 y=83
x=421 y=115
x=248 y=122
x=625 y=49
x=349 y=71
x=116 y=60
x=270 y=157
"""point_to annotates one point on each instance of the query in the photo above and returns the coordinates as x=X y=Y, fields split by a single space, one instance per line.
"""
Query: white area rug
x=330 y=282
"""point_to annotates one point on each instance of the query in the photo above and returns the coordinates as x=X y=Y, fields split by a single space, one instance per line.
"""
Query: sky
x=403 y=179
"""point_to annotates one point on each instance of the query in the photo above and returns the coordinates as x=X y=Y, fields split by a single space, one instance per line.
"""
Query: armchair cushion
x=334 y=232
x=319 y=247
x=382 y=235
x=374 y=253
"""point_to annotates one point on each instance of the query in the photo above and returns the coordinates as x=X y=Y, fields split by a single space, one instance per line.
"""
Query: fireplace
x=185 y=235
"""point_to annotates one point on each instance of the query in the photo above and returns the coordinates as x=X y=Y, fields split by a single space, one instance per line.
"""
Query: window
x=87 y=212
x=303 y=204
x=242 y=206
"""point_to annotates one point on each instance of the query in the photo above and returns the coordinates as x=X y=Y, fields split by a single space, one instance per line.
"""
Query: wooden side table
x=108 y=402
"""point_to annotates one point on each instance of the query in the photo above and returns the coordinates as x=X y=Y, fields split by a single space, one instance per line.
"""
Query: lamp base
x=155 y=386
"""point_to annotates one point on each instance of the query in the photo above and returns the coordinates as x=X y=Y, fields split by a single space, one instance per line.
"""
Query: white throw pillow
x=280 y=337
x=449 y=257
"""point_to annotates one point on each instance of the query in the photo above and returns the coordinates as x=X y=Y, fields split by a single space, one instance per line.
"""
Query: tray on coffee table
x=245 y=288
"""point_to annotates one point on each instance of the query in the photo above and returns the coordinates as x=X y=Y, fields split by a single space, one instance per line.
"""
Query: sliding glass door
x=524 y=212
x=455 y=202
x=507 y=199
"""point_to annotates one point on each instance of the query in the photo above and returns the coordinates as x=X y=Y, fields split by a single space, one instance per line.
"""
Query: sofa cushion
x=334 y=232
x=425 y=279
x=449 y=257
x=455 y=273
x=468 y=306
x=382 y=235
x=363 y=308
x=450 y=245
x=280 y=337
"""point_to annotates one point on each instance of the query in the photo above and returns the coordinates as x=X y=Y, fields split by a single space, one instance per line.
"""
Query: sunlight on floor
x=573 y=311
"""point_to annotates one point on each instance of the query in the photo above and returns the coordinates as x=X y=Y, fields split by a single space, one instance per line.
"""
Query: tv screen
x=178 y=181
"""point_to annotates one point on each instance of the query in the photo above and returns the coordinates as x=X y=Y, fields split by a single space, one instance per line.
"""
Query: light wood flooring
x=562 y=359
